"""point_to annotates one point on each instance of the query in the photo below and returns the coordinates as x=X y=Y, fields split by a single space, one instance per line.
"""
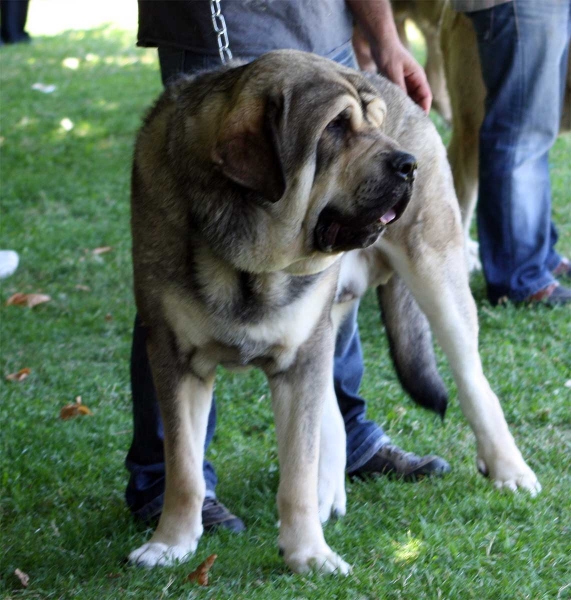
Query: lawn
x=65 y=162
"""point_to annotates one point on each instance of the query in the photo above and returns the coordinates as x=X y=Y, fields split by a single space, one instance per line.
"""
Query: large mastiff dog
x=265 y=199
x=455 y=77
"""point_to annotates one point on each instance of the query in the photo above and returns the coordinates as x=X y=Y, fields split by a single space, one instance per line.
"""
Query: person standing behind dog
x=523 y=47
x=13 y=16
x=183 y=33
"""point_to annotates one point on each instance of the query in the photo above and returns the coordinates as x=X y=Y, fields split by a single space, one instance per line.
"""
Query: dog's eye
x=339 y=125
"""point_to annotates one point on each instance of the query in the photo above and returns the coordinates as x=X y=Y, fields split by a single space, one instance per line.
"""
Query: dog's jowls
x=265 y=199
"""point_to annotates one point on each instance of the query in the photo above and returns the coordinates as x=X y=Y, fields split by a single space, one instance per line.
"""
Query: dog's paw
x=332 y=502
x=473 y=255
x=323 y=561
x=156 y=554
x=332 y=510
x=512 y=477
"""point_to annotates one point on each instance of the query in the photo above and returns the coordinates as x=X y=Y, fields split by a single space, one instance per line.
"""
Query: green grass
x=63 y=519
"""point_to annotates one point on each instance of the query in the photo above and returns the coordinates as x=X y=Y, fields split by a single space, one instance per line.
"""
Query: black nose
x=403 y=164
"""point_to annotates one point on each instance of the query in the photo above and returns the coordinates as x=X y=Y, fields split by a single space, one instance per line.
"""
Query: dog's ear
x=247 y=150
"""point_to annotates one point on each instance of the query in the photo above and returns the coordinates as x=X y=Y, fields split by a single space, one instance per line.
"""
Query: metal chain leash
x=219 y=25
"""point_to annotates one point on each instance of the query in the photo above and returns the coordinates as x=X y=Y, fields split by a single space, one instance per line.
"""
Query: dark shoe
x=215 y=515
x=563 y=269
x=552 y=295
x=392 y=460
x=19 y=38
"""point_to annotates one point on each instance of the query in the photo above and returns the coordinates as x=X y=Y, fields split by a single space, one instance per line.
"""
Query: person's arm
x=375 y=18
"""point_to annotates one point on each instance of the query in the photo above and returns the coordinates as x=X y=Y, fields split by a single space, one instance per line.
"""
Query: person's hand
x=375 y=19
x=397 y=63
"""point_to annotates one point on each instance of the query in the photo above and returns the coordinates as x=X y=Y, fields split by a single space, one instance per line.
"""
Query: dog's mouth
x=336 y=232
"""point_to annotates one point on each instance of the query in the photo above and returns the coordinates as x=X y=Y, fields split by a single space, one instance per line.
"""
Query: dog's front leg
x=439 y=282
x=298 y=396
x=185 y=401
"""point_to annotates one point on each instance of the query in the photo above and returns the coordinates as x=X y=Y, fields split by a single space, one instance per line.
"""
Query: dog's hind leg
x=411 y=347
x=332 y=459
x=438 y=279
x=467 y=95
x=185 y=401
x=298 y=399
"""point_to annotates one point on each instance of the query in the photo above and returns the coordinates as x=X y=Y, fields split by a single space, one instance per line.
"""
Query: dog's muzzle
x=379 y=201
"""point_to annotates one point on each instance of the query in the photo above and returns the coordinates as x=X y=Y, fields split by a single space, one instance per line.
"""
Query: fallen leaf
x=29 y=300
x=200 y=574
x=108 y=317
x=82 y=288
x=102 y=250
x=23 y=577
x=69 y=411
x=19 y=376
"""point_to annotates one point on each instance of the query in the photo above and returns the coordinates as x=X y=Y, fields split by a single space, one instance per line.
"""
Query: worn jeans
x=523 y=48
x=145 y=460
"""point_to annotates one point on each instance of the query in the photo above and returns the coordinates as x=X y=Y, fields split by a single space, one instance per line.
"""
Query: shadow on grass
x=97 y=82
x=66 y=154
x=104 y=45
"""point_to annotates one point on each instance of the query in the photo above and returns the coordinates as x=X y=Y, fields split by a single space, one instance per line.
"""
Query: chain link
x=219 y=25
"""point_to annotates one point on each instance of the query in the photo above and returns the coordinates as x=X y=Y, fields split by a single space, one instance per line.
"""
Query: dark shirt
x=254 y=26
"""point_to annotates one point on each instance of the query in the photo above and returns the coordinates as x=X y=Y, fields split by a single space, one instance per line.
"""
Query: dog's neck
x=231 y=293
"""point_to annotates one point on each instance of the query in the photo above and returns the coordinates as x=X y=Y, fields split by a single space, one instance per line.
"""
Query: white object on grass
x=8 y=263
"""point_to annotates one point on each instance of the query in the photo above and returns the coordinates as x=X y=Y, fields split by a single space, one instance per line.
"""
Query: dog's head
x=304 y=135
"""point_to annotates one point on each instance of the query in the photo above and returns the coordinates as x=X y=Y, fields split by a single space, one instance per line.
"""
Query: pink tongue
x=389 y=216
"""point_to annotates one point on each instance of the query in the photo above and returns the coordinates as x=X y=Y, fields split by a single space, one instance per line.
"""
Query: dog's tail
x=411 y=347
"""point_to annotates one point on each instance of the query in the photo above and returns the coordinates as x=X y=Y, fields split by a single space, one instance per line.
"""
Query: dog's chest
x=263 y=330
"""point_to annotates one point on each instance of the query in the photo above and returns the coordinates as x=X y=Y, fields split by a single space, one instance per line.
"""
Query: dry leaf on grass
x=23 y=577
x=29 y=300
x=69 y=411
x=20 y=375
x=101 y=250
x=200 y=574
x=82 y=288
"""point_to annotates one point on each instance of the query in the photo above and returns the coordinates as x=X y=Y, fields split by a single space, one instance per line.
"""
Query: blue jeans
x=145 y=459
x=523 y=49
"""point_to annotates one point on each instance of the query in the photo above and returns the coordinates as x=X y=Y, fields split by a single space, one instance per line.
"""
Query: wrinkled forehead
x=295 y=61
x=292 y=60
x=310 y=84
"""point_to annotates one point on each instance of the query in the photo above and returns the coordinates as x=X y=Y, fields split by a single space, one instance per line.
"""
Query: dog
x=455 y=77
x=427 y=16
x=461 y=69
x=266 y=198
